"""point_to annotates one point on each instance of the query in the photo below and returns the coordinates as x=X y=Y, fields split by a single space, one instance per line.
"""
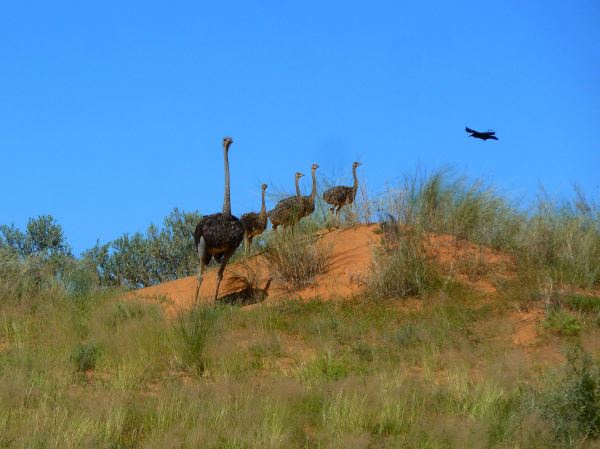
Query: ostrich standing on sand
x=289 y=210
x=254 y=224
x=218 y=235
x=309 y=201
x=339 y=196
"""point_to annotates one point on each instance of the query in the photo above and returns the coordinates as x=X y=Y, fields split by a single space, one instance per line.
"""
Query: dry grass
x=296 y=258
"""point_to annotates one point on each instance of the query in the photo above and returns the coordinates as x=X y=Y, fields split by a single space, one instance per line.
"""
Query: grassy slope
x=436 y=364
x=298 y=374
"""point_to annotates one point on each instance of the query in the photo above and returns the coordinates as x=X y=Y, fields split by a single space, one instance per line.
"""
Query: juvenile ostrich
x=309 y=201
x=289 y=210
x=339 y=196
x=218 y=235
x=254 y=224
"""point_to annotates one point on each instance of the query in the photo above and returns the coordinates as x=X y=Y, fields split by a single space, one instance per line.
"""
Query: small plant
x=573 y=406
x=192 y=330
x=583 y=303
x=327 y=367
x=563 y=323
x=296 y=259
x=85 y=356
x=407 y=335
x=363 y=350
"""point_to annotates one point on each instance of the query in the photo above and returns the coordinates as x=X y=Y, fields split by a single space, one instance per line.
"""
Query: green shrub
x=562 y=323
x=85 y=356
x=583 y=303
x=572 y=404
x=141 y=260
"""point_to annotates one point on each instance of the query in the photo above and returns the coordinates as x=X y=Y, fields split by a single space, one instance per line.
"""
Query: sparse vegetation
x=80 y=366
x=401 y=267
x=572 y=402
x=192 y=329
x=296 y=258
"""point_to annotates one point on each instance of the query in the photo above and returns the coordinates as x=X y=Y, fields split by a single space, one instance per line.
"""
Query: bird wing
x=469 y=130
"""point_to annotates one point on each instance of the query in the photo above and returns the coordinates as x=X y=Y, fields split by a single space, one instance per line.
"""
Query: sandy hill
x=351 y=255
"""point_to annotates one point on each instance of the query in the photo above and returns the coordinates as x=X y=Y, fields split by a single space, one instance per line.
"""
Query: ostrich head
x=226 y=142
x=264 y=187
x=314 y=167
x=299 y=175
x=356 y=164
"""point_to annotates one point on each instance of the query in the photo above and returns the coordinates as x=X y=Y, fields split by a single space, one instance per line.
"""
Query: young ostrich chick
x=288 y=211
x=254 y=223
x=339 y=196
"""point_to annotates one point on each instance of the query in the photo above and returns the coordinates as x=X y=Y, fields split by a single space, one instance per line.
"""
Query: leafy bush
x=43 y=237
x=562 y=323
x=141 y=260
x=573 y=404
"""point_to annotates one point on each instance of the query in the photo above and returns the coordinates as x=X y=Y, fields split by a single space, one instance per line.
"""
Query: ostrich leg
x=224 y=261
x=247 y=243
x=202 y=256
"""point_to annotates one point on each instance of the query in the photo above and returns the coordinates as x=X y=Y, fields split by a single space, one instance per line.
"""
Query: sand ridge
x=350 y=252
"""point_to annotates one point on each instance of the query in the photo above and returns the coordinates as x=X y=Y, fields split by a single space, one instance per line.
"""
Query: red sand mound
x=351 y=252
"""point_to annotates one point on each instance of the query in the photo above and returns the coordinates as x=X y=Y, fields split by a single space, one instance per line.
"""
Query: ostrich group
x=217 y=236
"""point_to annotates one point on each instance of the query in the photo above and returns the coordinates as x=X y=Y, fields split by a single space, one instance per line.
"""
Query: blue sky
x=112 y=113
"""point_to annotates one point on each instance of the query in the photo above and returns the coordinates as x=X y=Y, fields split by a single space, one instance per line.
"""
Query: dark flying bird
x=483 y=136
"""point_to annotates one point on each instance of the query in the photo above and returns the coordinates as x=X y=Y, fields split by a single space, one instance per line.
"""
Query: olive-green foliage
x=39 y=261
x=84 y=356
x=572 y=399
x=562 y=323
x=159 y=255
x=582 y=303
x=43 y=236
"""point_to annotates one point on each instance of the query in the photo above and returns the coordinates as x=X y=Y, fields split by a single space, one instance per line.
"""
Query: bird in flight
x=483 y=136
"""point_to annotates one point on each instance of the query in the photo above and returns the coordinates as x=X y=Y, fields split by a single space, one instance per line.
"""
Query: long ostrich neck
x=298 y=192
x=263 y=209
x=355 y=186
x=226 y=199
x=313 y=192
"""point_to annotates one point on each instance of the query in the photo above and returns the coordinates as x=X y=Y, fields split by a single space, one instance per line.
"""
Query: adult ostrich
x=218 y=235
x=309 y=201
x=289 y=210
x=339 y=196
x=254 y=224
